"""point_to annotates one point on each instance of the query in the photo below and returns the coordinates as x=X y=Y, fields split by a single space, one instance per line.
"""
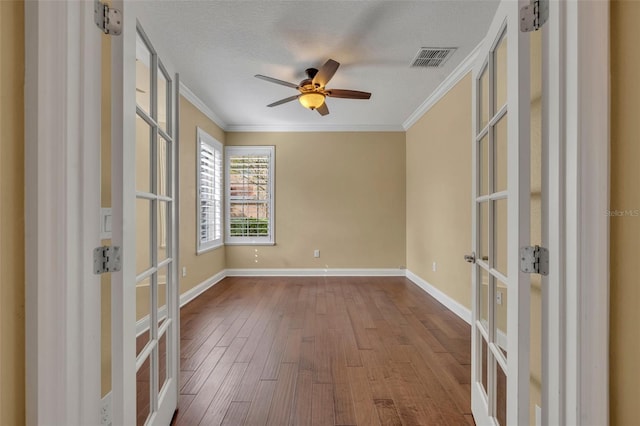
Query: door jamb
x=62 y=205
x=587 y=133
x=578 y=120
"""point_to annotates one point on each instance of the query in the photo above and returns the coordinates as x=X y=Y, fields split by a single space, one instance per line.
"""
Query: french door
x=501 y=223
x=145 y=316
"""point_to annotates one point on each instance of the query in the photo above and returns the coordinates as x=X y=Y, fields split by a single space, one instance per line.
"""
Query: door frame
x=62 y=375
x=62 y=211
x=578 y=130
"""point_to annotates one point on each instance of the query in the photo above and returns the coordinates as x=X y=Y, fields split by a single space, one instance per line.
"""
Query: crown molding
x=452 y=79
x=315 y=128
x=198 y=103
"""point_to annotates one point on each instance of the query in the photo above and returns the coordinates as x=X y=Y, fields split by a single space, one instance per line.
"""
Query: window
x=209 y=192
x=249 y=208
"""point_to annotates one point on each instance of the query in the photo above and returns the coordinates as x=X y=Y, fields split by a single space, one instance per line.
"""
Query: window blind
x=209 y=191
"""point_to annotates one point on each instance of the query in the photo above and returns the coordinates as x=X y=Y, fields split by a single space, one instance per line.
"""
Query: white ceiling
x=218 y=47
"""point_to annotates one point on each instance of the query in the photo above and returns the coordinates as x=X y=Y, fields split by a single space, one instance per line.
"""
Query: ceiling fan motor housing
x=311 y=72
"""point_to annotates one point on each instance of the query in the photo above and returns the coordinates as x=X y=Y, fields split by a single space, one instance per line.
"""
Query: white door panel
x=145 y=313
x=501 y=157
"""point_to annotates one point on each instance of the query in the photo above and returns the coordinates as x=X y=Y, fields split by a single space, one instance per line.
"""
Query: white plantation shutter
x=209 y=191
x=249 y=206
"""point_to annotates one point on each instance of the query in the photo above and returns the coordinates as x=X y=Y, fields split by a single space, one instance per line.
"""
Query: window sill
x=249 y=243
x=208 y=249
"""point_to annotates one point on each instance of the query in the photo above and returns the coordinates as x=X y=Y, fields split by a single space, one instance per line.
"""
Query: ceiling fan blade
x=276 y=81
x=348 y=94
x=284 y=101
x=326 y=73
x=323 y=109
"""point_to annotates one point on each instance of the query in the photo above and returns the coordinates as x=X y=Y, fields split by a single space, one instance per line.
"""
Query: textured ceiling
x=218 y=47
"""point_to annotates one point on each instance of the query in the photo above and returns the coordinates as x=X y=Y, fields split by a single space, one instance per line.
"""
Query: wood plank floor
x=322 y=351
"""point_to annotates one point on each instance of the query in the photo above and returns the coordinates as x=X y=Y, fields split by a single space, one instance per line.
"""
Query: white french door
x=145 y=315
x=501 y=223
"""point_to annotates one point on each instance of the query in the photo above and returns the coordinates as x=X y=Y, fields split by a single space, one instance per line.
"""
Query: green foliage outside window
x=246 y=226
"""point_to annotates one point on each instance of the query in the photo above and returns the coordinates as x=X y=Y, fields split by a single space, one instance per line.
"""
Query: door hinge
x=106 y=259
x=534 y=15
x=108 y=19
x=534 y=260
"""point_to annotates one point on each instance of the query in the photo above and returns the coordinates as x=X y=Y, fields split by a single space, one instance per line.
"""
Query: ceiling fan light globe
x=311 y=100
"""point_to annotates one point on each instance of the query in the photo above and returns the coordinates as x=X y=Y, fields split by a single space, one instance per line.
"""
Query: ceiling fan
x=313 y=91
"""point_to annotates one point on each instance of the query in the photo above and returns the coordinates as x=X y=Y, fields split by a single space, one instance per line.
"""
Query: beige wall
x=12 y=281
x=340 y=192
x=625 y=195
x=105 y=200
x=203 y=266
x=439 y=194
x=535 y=349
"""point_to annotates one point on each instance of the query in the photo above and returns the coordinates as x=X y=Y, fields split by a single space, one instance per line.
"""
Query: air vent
x=432 y=57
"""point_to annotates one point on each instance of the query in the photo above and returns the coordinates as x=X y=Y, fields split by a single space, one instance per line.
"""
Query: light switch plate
x=105 y=223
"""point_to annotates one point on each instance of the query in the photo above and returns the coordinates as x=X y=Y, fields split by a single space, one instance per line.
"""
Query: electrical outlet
x=499 y=298
x=184 y=271
x=316 y=253
x=434 y=266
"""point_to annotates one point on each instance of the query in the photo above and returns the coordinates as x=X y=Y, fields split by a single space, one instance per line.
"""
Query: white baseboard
x=310 y=272
x=143 y=323
x=196 y=291
x=454 y=306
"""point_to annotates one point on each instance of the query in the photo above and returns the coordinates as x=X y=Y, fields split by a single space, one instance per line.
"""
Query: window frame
x=230 y=151
x=202 y=137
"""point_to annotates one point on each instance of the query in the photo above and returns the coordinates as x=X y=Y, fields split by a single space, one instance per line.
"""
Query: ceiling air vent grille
x=432 y=57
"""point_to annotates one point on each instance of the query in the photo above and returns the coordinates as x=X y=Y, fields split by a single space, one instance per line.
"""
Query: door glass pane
x=501 y=316
x=500 y=58
x=483 y=236
x=484 y=360
x=483 y=99
x=162 y=361
x=500 y=235
x=483 y=166
x=143 y=310
x=163 y=167
x=163 y=230
x=484 y=299
x=500 y=154
x=143 y=235
x=143 y=392
x=143 y=155
x=143 y=75
x=163 y=276
x=501 y=396
x=163 y=96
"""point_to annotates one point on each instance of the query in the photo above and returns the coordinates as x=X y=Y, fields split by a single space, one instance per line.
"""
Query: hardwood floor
x=322 y=351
